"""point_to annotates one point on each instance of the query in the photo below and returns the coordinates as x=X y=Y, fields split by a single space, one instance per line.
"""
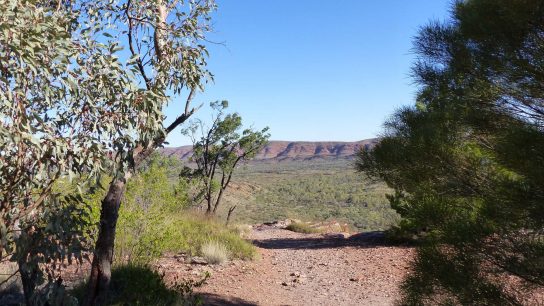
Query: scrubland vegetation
x=312 y=190
x=157 y=217
x=461 y=170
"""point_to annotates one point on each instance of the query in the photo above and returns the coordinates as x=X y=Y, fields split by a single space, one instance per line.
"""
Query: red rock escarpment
x=282 y=150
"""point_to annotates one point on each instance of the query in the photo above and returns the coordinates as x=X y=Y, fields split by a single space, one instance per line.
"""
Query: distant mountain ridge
x=293 y=150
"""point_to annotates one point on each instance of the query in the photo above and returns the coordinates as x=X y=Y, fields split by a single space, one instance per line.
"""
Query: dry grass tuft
x=300 y=227
x=214 y=252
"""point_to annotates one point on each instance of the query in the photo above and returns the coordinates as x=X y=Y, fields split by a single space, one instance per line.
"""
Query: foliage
x=190 y=231
x=62 y=97
x=146 y=214
x=71 y=100
x=220 y=148
x=301 y=227
x=155 y=219
x=139 y=285
x=183 y=231
x=165 y=55
x=465 y=161
x=214 y=252
x=61 y=236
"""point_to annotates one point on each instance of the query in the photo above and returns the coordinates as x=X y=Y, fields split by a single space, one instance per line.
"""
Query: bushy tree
x=65 y=102
x=466 y=161
x=218 y=149
x=82 y=88
x=165 y=39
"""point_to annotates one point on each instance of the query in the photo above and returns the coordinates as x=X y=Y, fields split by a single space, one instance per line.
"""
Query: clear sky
x=313 y=69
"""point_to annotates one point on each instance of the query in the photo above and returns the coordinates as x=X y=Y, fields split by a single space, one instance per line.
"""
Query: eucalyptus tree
x=218 y=149
x=466 y=161
x=82 y=89
x=65 y=101
x=165 y=43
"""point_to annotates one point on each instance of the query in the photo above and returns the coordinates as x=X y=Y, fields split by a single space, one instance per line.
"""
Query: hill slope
x=293 y=150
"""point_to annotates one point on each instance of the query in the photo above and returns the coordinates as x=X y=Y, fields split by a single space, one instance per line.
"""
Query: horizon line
x=307 y=141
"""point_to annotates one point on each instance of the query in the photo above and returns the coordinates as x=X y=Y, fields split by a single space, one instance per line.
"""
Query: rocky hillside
x=293 y=150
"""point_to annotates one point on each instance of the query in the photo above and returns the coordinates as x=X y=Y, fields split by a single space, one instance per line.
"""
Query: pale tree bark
x=100 y=276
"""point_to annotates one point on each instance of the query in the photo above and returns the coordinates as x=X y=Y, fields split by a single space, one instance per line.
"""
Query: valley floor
x=308 y=269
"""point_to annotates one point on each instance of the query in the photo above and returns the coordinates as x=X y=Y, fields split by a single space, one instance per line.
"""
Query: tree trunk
x=209 y=202
x=28 y=279
x=100 y=278
x=231 y=210
x=219 y=196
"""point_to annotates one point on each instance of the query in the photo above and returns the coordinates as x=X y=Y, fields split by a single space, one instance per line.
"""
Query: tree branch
x=131 y=47
x=183 y=117
x=140 y=153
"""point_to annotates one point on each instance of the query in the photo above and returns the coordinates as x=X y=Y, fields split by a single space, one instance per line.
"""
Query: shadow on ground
x=363 y=240
x=218 y=300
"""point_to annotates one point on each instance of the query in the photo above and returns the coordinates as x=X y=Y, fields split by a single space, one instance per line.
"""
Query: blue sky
x=314 y=70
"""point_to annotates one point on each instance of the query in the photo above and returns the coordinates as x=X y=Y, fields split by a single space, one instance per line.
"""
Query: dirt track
x=302 y=269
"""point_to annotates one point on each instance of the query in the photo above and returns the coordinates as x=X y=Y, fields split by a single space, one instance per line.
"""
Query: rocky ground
x=305 y=269
x=292 y=269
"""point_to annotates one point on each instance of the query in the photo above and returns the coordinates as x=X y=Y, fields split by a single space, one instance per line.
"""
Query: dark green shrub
x=465 y=161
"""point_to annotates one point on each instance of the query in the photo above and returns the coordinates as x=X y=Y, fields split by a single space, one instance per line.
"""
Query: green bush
x=148 y=210
x=155 y=218
x=190 y=231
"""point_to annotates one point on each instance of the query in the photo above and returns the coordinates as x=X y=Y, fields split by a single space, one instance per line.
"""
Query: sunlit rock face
x=293 y=150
